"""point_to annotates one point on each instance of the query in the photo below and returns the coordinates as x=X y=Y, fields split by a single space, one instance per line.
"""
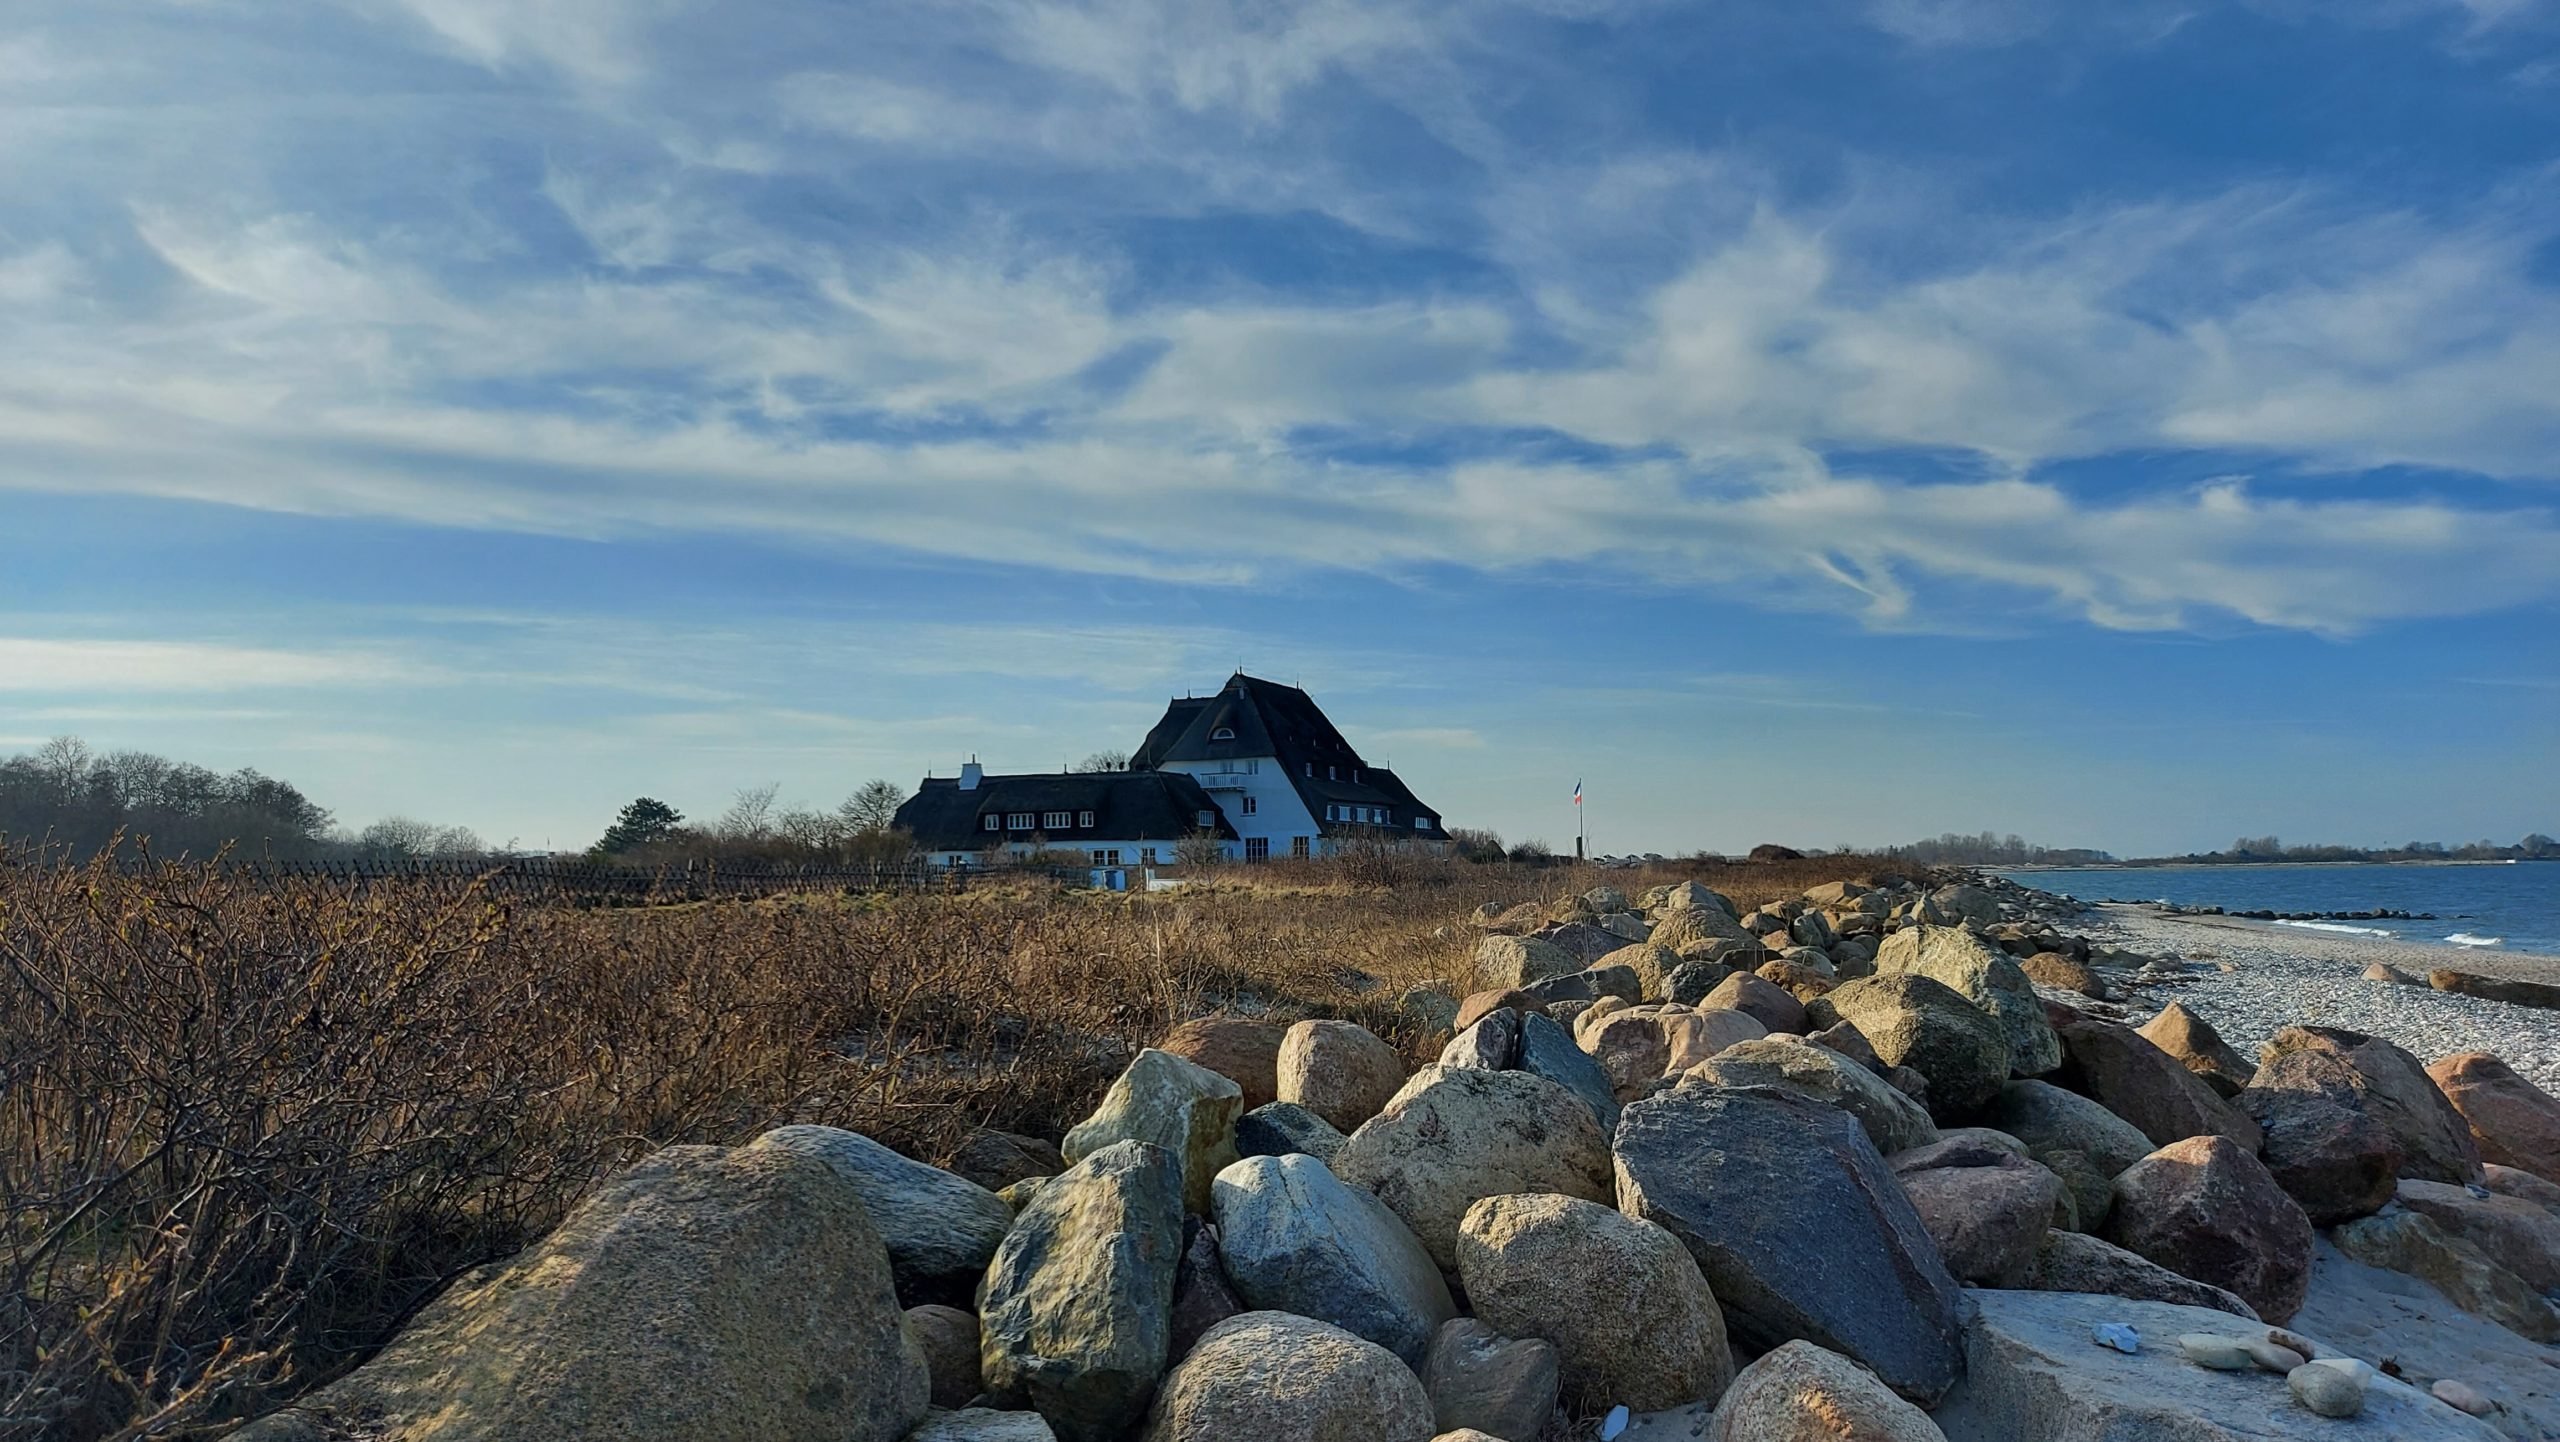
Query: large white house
x=1255 y=769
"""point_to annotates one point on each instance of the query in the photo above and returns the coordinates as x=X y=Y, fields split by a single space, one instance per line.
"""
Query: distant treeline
x=1990 y=849
x=2249 y=849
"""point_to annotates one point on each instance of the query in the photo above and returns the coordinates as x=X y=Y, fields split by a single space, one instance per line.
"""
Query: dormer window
x=1053 y=820
x=1333 y=773
x=1223 y=733
x=1208 y=818
x=1311 y=770
x=994 y=822
x=1084 y=820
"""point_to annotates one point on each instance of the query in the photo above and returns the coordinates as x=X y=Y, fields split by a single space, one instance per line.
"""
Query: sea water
x=2508 y=906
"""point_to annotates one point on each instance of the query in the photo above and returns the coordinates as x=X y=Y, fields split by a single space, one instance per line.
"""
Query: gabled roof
x=1127 y=806
x=1267 y=719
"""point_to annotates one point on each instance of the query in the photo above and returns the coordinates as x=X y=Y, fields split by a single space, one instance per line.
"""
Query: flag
x=1577 y=791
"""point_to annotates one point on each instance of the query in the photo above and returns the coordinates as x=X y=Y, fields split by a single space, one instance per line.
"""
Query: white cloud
x=29 y=664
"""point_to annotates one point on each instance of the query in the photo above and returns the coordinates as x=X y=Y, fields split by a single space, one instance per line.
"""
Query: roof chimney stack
x=971 y=774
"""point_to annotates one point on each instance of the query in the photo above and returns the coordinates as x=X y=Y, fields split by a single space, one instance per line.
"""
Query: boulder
x=2337 y=1162
x=2192 y=1043
x=1801 y=1393
x=2513 y=1122
x=1630 y=1317
x=940 y=1229
x=1694 y=1036
x=1894 y=1122
x=1798 y=977
x=2496 y=988
x=1986 y=1220
x=996 y=1160
x=1339 y=1071
x=2522 y=1237
x=1693 y=980
x=2091 y=1191
x=1243 y=1051
x=1917 y=1022
x=2058 y=969
x=1202 y=1295
x=1760 y=1000
x=1592 y=983
x=1270 y=1375
x=2516 y=1182
x=2077 y=1262
x=1480 y=1004
x=1682 y=928
x=1632 y=1051
x=1453 y=1137
x=2032 y=1373
x=1754 y=1181
x=983 y=1424
x=1517 y=961
x=1692 y=896
x=2405 y=1241
x=2385 y=972
x=726 y=1295
x=2139 y=1082
x=2046 y=1117
x=1294 y=1238
x=1548 y=1051
x=1167 y=1102
x=1650 y=962
x=2383 y=1082
x=1075 y=1314
x=1584 y=941
x=2206 y=1209
x=1494 y=1385
x=1967 y=902
x=1984 y=976
x=1813 y=929
x=1492 y=1043
x=949 y=1338
x=1285 y=1128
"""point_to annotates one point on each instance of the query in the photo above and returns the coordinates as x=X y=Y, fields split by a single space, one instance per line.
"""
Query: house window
x=1208 y=818
x=1422 y=823
x=1223 y=733
x=1257 y=848
x=1328 y=812
x=1017 y=821
x=1055 y=820
x=1249 y=805
x=1333 y=773
x=1298 y=847
x=1106 y=856
x=1311 y=770
x=1147 y=855
x=957 y=861
x=994 y=822
x=1084 y=820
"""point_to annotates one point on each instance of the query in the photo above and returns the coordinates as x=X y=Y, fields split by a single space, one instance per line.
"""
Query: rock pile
x=1816 y=1171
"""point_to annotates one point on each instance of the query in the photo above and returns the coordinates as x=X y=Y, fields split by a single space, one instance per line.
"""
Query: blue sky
x=2128 y=425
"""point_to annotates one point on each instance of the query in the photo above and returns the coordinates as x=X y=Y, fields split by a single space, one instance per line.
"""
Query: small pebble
x=2463 y=1397
x=2297 y=1342
x=2272 y=1357
x=2331 y=1388
x=2222 y=1354
x=2117 y=1335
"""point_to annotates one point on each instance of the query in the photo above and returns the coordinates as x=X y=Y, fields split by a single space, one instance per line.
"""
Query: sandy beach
x=2251 y=977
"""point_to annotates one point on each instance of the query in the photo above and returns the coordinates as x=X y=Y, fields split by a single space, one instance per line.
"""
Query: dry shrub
x=247 y=1126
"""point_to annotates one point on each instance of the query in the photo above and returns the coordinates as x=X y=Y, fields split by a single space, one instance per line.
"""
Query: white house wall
x=1278 y=815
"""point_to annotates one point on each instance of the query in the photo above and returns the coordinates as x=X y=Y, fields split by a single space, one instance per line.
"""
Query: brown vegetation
x=247 y=1126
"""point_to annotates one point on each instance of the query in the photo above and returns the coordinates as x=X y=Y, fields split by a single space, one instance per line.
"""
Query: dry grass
x=247 y=1127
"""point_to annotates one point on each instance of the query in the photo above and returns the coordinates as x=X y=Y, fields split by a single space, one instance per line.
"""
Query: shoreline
x=2346 y=948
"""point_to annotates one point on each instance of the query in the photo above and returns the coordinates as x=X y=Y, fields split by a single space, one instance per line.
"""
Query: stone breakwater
x=1881 y=1163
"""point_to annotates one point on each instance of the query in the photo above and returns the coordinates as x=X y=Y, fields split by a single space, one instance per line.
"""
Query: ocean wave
x=2464 y=938
x=2336 y=926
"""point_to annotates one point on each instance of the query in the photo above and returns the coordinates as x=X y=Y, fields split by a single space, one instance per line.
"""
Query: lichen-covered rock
x=2192 y=1043
x=2059 y=970
x=1492 y=1385
x=940 y=1229
x=1266 y=1376
x=1339 y=1070
x=1243 y=1051
x=1894 y=1122
x=1167 y=1102
x=2385 y=1083
x=705 y=1293
x=2206 y=1209
x=1075 y=1314
x=1802 y=1393
x=1754 y=1182
x=2077 y=1262
x=1918 y=1022
x=1985 y=976
x=1297 y=1239
x=1651 y=963
x=2513 y=1122
x=983 y=1424
x=1453 y=1137
x=2139 y=1082
x=1693 y=896
x=1519 y=961
x=1631 y=1318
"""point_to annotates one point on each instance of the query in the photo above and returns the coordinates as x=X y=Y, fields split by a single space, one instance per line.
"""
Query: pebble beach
x=2250 y=978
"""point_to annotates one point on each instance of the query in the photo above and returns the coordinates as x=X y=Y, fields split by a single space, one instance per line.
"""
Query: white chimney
x=971 y=773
